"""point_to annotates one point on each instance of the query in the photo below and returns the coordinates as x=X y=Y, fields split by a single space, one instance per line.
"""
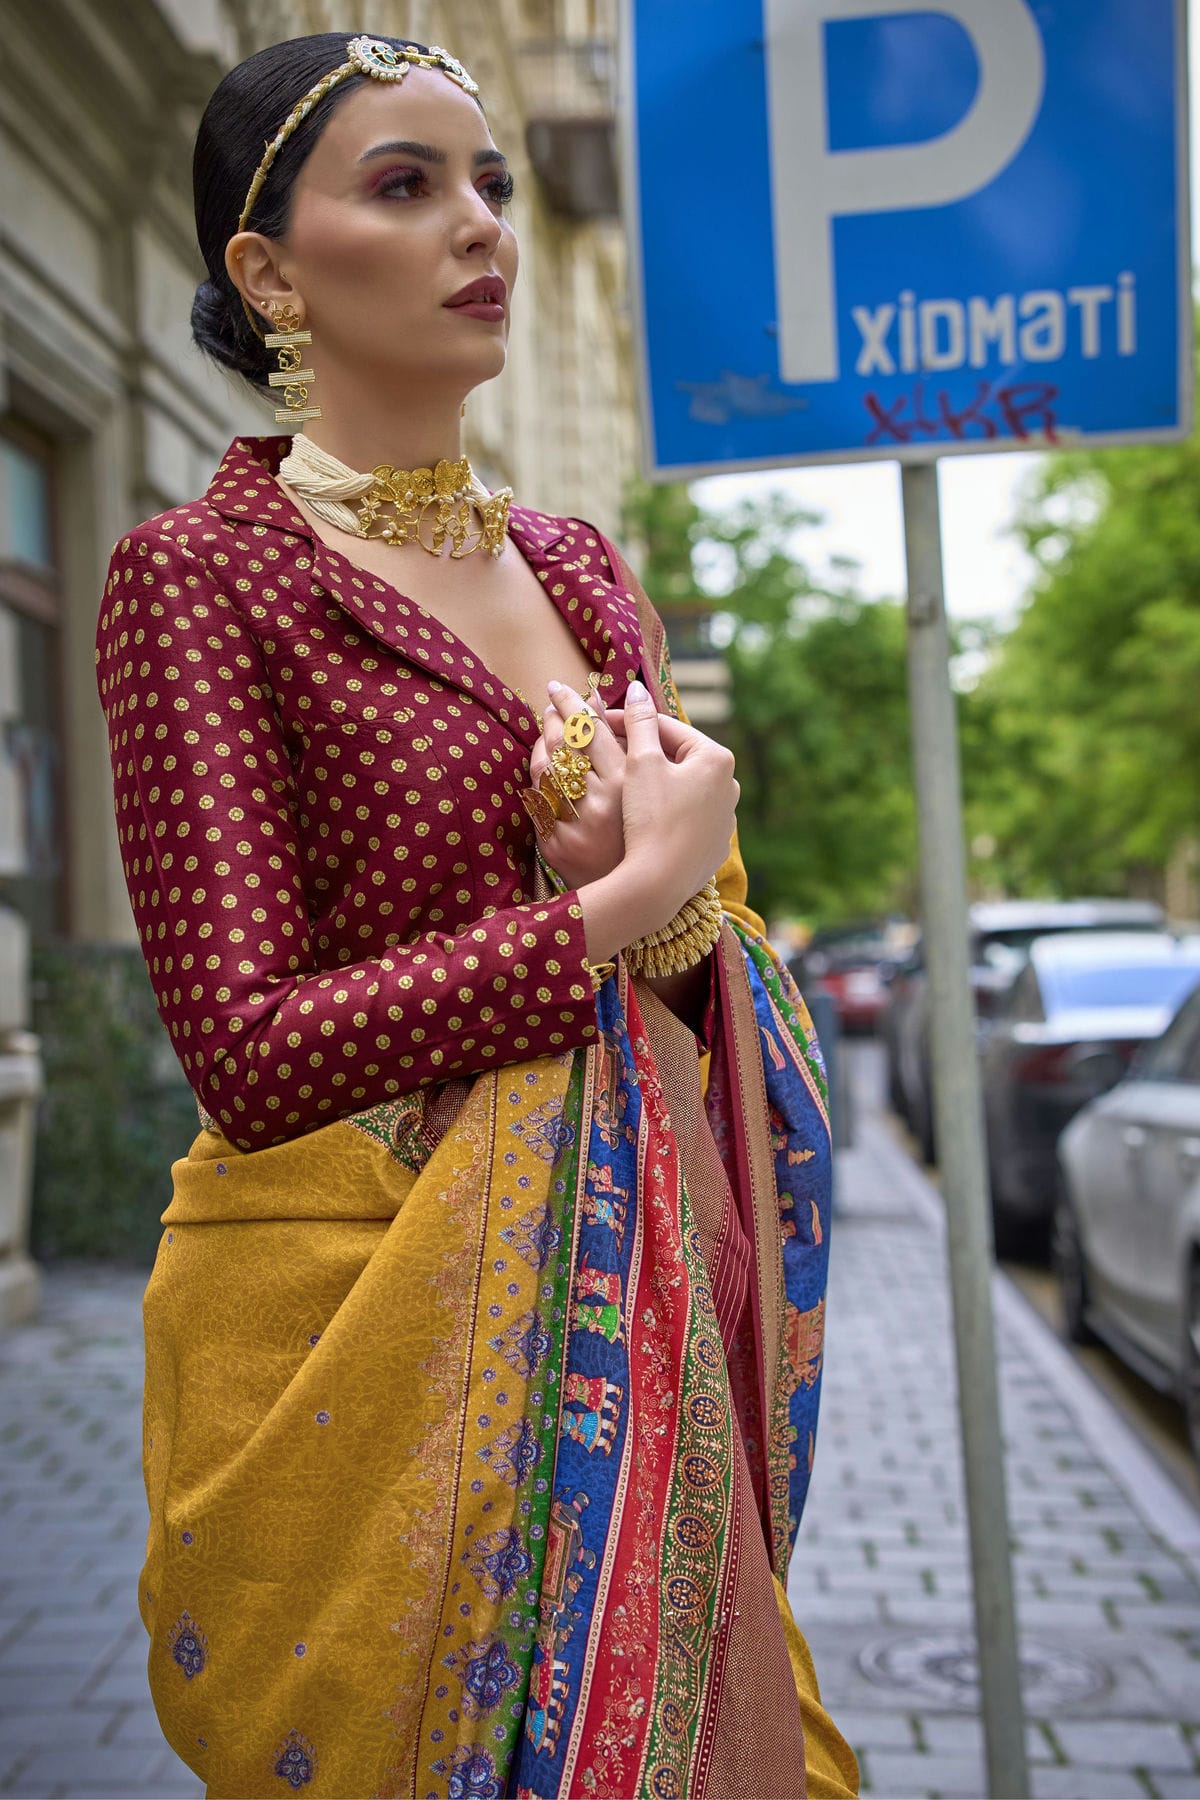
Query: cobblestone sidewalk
x=1106 y=1564
x=1107 y=1549
x=75 y=1712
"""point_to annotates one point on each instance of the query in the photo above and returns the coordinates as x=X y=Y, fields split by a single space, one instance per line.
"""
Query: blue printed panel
x=594 y=1416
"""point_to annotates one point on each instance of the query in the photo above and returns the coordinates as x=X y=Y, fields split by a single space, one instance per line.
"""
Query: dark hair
x=244 y=113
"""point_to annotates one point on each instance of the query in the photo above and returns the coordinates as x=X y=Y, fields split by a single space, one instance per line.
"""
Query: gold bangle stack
x=683 y=943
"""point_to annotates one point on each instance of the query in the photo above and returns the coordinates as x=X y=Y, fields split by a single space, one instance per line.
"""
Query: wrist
x=619 y=907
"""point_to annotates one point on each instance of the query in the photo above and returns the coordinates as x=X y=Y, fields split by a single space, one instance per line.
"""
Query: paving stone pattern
x=75 y=1711
x=1108 y=1609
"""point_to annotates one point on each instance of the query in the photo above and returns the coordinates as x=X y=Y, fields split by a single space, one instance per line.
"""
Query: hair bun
x=208 y=309
x=221 y=329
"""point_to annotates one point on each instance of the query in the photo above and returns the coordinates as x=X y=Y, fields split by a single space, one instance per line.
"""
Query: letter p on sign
x=812 y=185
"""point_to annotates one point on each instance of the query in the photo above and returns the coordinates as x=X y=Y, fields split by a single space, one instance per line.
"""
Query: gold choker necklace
x=429 y=507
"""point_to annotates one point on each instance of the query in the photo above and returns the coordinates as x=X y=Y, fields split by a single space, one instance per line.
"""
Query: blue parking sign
x=906 y=228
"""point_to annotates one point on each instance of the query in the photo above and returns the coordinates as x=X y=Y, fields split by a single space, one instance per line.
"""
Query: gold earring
x=290 y=376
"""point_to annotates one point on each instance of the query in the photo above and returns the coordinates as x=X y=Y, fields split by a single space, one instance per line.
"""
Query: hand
x=592 y=845
x=678 y=802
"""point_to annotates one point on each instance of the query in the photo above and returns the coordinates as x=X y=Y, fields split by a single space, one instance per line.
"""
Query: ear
x=252 y=264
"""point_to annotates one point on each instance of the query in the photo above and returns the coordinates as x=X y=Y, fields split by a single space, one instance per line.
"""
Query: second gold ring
x=569 y=770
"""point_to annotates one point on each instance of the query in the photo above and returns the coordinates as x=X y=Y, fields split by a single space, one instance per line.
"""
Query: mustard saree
x=478 y=1426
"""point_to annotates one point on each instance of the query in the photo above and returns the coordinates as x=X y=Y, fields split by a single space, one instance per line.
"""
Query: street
x=1107 y=1547
x=1107 y=1544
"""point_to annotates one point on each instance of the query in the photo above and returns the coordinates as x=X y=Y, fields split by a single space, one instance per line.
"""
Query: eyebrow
x=428 y=153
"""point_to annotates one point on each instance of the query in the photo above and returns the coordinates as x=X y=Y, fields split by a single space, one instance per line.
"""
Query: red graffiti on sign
x=1024 y=410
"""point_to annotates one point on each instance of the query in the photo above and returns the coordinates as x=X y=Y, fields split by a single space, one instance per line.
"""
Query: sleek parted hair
x=245 y=111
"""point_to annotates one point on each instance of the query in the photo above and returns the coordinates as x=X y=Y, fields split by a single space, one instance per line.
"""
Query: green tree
x=1082 y=754
x=819 y=719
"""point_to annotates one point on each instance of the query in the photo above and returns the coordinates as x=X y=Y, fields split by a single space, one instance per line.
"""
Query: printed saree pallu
x=478 y=1426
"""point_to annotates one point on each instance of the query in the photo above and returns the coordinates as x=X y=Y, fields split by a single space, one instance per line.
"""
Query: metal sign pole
x=958 y=1120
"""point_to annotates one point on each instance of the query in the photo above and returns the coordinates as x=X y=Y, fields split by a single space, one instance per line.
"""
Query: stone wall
x=118 y=416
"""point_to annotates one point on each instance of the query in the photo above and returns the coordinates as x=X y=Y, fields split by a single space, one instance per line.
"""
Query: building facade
x=108 y=413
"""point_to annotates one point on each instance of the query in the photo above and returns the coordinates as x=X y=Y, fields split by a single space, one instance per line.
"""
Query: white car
x=1126 y=1241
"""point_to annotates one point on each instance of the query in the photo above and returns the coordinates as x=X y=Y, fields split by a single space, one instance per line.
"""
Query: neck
x=363 y=427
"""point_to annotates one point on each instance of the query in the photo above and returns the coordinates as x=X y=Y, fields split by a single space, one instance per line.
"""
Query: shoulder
x=569 y=536
x=578 y=541
x=157 y=569
x=150 y=560
x=174 y=532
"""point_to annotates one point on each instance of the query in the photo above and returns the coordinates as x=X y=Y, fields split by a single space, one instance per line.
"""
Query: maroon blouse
x=316 y=793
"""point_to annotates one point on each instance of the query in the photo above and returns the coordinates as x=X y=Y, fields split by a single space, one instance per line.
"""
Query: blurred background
x=1076 y=620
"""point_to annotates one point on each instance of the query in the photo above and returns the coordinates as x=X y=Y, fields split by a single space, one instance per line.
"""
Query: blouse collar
x=566 y=555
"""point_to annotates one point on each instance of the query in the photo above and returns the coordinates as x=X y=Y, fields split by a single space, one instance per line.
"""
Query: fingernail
x=637 y=693
x=554 y=687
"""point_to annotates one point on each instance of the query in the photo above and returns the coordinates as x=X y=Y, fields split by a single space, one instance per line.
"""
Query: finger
x=641 y=722
x=670 y=731
x=602 y=752
x=678 y=739
x=592 y=700
x=552 y=729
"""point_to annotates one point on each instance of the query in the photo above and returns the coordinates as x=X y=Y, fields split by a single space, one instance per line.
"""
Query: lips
x=487 y=290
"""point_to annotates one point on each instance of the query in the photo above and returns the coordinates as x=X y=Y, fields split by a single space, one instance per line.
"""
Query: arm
x=273 y=1046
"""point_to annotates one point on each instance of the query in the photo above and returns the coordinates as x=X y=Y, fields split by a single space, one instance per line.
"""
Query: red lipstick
x=481 y=299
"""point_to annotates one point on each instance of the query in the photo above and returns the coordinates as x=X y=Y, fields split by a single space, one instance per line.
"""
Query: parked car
x=850 y=963
x=1126 y=1241
x=1080 y=1008
x=1001 y=932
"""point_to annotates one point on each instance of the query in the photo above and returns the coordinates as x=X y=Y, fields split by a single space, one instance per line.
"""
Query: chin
x=488 y=364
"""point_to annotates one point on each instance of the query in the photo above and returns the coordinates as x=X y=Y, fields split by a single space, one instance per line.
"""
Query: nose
x=477 y=225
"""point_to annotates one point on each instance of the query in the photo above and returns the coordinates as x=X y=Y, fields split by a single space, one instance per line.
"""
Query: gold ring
x=555 y=793
x=579 y=730
x=540 y=810
x=571 y=769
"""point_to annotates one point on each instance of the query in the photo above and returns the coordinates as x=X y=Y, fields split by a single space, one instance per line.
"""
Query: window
x=1137 y=984
x=1175 y=1056
x=31 y=740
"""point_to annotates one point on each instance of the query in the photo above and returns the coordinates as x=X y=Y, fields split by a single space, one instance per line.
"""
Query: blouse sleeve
x=205 y=801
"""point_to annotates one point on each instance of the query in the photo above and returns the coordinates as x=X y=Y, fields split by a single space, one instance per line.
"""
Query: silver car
x=1126 y=1239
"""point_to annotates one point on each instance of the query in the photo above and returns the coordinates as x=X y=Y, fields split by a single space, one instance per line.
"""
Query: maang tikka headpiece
x=364 y=56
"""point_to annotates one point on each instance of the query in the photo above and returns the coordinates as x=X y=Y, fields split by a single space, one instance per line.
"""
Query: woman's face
x=398 y=207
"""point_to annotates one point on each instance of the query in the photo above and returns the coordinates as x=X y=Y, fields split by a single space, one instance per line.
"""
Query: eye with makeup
x=413 y=184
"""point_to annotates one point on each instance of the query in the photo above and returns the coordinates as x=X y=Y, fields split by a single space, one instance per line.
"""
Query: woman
x=483 y=1340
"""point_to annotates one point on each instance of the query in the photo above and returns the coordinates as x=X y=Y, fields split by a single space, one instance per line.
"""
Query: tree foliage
x=1082 y=742
x=818 y=703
